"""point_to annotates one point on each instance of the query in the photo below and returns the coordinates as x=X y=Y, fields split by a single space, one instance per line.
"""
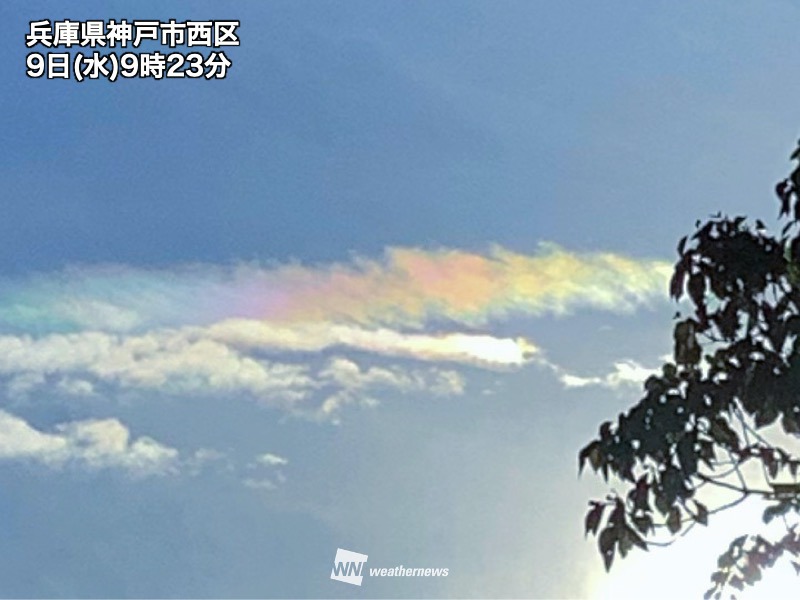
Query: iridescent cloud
x=305 y=339
x=406 y=288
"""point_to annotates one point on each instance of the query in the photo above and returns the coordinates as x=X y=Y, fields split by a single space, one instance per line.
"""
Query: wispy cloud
x=410 y=286
x=407 y=287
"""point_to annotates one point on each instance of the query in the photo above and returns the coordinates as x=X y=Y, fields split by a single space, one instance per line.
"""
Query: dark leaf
x=636 y=539
x=676 y=282
x=593 y=518
x=643 y=523
x=697 y=288
x=625 y=543
x=707 y=452
x=725 y=561
x=769 y=462
x=767 y=414
x=775 y=510
x=674 y=520
x=639 y=495
x=583 y=455
x=786 y=490
x=662 y=504
x=593 y=453
x=702 y=513
x=722 y=433
x=687 y=456
x=606 y=541
x=790 y=425
x=682 y=245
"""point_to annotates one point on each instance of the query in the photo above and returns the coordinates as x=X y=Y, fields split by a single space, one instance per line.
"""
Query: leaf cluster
x=735 y=370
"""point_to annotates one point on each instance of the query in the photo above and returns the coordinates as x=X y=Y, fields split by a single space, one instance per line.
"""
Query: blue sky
x=374 y=290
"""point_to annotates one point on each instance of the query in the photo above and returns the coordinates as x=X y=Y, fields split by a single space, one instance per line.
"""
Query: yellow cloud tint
x=410 y=286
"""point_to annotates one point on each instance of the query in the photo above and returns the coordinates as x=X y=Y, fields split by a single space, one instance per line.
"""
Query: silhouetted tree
x=729 y=401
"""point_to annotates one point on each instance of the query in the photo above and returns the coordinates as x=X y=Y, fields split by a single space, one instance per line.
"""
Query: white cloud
x=75 y=387
x=271 y=460
x=479 y=350
x=333 y=404
x=348 y=375
x=193 y=360
x=357 y=385
x=447 y=383
x=270 y=476
x=624 y=373
x=167 y=360
x=203 y=458
x=94 y=444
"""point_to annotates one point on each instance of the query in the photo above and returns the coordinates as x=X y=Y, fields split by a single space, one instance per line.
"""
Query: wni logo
x=348 y=566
